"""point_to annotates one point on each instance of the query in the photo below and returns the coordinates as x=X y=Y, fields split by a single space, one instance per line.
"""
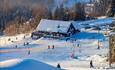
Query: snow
x=25 y=64
x=52 y=26
x=9 y=63
x=88 y=35
x=4 y=40
x=13 y=39
x=102 y=17
x=96 y=22
x=96 y=58
x=10 y=56
x=62 y=53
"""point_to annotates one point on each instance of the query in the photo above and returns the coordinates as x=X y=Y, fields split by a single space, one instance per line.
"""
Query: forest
x=22 y=16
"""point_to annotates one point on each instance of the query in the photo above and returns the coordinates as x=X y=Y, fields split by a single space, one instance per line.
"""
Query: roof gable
x=53 y=26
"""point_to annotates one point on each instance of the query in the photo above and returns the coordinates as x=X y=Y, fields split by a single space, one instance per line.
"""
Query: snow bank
x=96 y=58
x=4 y=40
x=10 y=40
x=9 y=63
x=25 y=64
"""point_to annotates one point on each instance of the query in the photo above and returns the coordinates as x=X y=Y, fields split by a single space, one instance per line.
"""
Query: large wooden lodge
x=55 y=29
x=112 y=48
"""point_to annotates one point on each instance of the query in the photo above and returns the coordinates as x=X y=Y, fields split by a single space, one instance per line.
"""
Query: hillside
x=18 y=12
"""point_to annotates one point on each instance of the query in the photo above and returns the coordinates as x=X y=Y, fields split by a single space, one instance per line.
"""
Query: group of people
x=91 y=65
x=51 y=47
x=26 y=43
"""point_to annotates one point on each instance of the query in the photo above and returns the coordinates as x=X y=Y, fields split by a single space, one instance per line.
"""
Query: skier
x=24 y=37
x=16 y=46
x=27 y=43
x=29 y=52
x=91 y=64
x=58 y=66
x=24 y=44
x=48 y=47
x=72 y=56
x=16 y=38
x=98 y=45
x=9 y=39
x=53 y=47
x=78 y=45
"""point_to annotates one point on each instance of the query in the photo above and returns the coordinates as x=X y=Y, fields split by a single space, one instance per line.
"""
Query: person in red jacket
x=48 y=47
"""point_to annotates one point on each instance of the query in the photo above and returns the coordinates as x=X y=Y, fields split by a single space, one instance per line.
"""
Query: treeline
x=15 y=15
x=23 y=18
x=14 y=20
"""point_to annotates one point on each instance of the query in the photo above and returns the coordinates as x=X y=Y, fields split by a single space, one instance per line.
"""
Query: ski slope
x=62 y=53
x=25 y=64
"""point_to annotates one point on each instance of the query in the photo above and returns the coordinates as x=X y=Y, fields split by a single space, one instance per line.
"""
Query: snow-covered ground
x=25 y=64
x=61 y=54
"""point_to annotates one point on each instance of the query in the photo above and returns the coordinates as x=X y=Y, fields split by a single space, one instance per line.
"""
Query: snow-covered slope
x=25 y=64
x=62 y=53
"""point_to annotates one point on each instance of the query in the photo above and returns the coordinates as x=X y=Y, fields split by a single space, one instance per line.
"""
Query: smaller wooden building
x=54 y=28
x=112 y=48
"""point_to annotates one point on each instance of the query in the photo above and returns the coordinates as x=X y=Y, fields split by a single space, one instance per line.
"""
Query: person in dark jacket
x=16 y=46
x=58 y=66
x=27 y=43
x=91 y=64
x=24 y=44
x=53 y=47
x=29 y=52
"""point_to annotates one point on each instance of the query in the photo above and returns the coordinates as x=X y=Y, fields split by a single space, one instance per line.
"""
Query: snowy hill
x=25 y=64
x=66 y=53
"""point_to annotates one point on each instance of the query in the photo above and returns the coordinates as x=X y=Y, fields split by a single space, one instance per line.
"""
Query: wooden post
x=109 y=51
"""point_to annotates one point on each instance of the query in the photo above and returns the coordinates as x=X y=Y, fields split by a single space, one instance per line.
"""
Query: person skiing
x=16 y=38
x=24 y=36
x=72 y=56
x=91 y=64
x=98 y=45
x=53 y=47
x=58 y=66
x=78 y=45
x=29 y=52
x=24 y=44
x=16 y=46
x=27 y=43
x=48 y=47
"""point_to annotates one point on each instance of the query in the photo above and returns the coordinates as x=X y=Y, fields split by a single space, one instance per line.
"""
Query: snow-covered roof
x=53 y=26
x=76 y=24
